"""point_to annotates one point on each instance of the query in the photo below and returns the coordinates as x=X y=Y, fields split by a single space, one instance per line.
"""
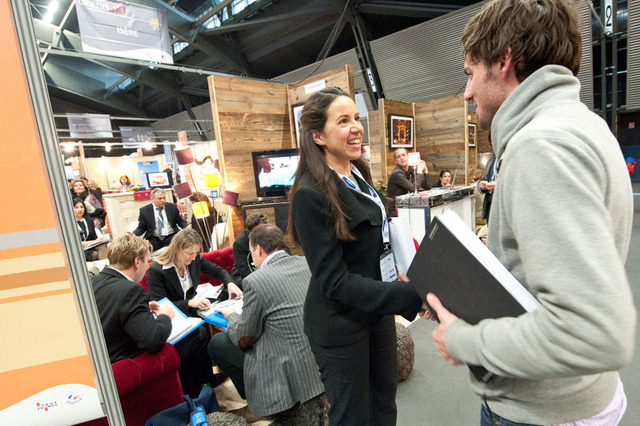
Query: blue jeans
x=492 y=419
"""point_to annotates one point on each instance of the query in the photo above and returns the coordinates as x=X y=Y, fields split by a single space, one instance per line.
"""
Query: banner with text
x=133 y=136
x=89 y=125
x=124 y=29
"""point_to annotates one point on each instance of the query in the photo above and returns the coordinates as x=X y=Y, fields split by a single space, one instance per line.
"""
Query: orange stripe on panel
x=26 y=382
x=33 y=277
x=30 y=250
x=20 y=158
x=34 y=296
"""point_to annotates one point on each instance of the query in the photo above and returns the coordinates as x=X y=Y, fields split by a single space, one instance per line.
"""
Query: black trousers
x=229 y=358
x=195 y=365
x=360 y=379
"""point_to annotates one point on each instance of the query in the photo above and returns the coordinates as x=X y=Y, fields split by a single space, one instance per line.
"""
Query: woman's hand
x=199 y=303
x=234 y=291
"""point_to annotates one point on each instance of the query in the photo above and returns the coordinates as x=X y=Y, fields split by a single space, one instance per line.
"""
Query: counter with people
x=420 y=208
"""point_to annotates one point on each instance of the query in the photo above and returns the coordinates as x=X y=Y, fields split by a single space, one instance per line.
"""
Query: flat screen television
x=159 y=180
x=274 y=171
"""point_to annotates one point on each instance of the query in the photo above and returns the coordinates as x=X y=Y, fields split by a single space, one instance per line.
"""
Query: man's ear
x=507 y=64
x=317 y=137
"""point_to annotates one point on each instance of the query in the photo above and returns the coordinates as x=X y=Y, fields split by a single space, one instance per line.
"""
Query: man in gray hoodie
x=560 y=222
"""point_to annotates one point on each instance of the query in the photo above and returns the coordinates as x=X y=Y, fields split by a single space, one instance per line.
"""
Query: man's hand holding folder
x=438 y=334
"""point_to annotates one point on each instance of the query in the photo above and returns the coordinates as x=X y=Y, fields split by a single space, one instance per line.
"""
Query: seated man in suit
x=265 y=351
x=125 y=311
x=159 y=221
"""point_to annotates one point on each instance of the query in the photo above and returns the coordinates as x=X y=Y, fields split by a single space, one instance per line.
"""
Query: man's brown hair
x=123 y=251
x=539 y=33
x=268 y=236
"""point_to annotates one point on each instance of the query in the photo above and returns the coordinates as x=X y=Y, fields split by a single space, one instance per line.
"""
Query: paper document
x=209 y=291
x=181 y=325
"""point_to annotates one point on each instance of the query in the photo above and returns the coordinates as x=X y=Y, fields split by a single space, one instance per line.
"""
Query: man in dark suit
x=125 y=311
x=265 y=351
x=159 y=221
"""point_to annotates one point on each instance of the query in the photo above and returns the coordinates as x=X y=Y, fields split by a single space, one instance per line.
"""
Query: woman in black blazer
x=339 y=219
x=89 y=234
x=175 y=274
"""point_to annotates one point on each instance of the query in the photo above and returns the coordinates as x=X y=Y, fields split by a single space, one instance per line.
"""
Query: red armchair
x=147 y=384
x=222 y=258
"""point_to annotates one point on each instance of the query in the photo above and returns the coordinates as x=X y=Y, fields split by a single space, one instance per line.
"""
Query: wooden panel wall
x=441 y=135
x=379 y=136
x=249 y=115
x=253 y=115
x=482 y=146
x=340 y=77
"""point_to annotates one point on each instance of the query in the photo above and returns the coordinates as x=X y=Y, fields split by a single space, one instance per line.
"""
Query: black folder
x=469 y=280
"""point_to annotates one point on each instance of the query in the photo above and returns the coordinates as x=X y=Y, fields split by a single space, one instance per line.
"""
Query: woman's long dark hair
x=313 y=162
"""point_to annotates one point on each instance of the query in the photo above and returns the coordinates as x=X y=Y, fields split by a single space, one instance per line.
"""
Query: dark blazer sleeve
x=175 y=219
x=91 y=234
x=424 y=181
x=143 y=224
x=149 y=334
x=398 y=179
x=165 y=283
x=240 y=251
x=326 y=255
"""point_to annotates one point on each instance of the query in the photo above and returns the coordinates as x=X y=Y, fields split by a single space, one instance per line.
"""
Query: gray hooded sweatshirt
x=561 y=223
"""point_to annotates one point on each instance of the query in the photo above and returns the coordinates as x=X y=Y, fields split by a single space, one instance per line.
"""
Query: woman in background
x=445 y=179
x=125 y=183
x=94 y=207
x=339 y=220
x=88 y=233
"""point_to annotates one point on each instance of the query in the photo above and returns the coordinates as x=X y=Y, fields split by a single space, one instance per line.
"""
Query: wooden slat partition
x=382 y=161
x=253 y=115
x=249 y=115
x=441 y=135
x=340 y=77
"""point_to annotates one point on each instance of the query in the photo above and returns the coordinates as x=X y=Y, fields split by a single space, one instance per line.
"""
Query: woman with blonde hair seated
x=175 y=274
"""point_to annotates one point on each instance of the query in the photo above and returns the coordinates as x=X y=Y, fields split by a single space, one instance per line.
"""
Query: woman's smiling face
x=342 y=133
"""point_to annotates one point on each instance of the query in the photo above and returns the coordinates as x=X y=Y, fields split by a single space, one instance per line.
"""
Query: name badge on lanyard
x=388 y=267
x=387 y=260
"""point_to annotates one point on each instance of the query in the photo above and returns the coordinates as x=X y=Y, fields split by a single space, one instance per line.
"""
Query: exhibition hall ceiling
x=253 y=38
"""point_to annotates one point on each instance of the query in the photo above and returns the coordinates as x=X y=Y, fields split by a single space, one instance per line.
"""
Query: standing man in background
x=159 y=221
x=560 y=223
x=402 y=179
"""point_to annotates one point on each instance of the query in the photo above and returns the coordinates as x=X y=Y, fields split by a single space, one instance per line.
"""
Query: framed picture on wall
x=401 y=131
x=472 y=134
x=296 y=113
